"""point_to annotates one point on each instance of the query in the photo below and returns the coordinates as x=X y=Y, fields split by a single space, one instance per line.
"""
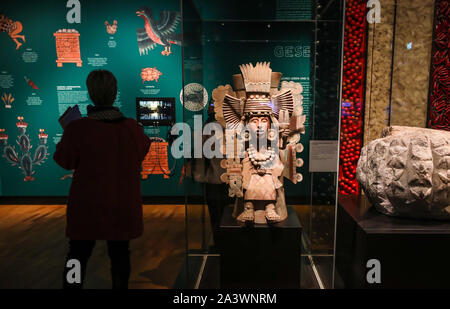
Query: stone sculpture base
x=259 y=256
x=412 y=253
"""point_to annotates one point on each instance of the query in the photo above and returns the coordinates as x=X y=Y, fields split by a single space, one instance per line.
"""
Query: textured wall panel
x=378 y=80
x=412 y=54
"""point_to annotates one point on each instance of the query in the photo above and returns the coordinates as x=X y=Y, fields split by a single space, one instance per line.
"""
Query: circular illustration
x=195 y=95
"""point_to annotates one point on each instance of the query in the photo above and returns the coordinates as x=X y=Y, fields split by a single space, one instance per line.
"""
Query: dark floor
x=210 y=276
x=33 y=248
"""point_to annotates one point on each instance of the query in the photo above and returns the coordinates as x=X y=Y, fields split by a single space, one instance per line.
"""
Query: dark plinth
x=260 y=256
x=412 y=253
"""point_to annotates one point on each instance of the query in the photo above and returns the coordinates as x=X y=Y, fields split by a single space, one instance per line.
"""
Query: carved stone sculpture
x=407 y=172
x=255 y=114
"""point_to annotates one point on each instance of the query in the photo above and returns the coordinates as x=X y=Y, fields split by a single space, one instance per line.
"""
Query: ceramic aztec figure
x=263 y=125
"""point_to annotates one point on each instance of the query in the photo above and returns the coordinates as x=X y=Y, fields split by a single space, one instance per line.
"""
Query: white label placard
x=323 y=156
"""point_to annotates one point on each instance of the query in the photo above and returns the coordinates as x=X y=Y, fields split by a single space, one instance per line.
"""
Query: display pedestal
x=259 y=256
x=412 y=253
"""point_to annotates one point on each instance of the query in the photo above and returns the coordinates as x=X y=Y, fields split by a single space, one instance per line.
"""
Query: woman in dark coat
x=105 y=150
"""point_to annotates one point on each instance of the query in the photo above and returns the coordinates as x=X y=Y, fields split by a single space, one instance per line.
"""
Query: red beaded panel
x=352 y=94
x=68 y=48
x=439 y=109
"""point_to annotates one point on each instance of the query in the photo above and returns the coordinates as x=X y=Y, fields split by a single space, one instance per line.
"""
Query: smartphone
x=72 y=113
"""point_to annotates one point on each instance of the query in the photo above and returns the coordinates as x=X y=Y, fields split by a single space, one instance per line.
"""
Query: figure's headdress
x=256 y=78
x=259 y=82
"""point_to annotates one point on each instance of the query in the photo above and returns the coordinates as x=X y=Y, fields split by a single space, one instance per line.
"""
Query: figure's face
x=259 y=125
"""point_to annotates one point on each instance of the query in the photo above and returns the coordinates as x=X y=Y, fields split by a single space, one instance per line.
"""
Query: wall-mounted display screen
x=155 y=111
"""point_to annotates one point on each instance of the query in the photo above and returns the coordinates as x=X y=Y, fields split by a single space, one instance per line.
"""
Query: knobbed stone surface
x=407 y=172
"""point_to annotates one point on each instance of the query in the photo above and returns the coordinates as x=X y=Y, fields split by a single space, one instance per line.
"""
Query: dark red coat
x=105 y=201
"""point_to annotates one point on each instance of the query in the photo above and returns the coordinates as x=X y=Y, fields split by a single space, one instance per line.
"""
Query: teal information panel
x=47 y=50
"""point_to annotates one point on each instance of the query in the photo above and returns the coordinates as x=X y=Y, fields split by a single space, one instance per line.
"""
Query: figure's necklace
x=260 y=159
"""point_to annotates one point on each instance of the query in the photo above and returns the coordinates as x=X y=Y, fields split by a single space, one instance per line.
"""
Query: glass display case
x=394 y=146
x=303 y=41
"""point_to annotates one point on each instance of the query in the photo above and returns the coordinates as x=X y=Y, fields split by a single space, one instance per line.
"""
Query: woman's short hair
x=102 y=87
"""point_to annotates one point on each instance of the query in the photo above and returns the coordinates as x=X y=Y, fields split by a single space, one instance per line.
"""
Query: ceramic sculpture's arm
x=277 y=171
x=246 y=172
x=290 y=161
x=233 y=176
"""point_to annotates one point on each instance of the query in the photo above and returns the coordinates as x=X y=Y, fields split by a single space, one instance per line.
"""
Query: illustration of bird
x=158 y=32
